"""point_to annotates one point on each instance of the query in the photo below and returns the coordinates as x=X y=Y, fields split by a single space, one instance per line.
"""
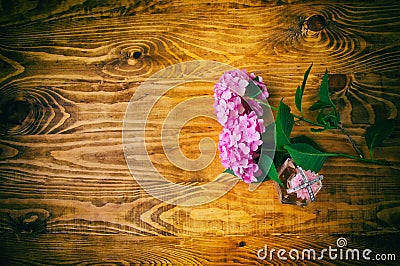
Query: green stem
x=301 y=118
x=350 y=139
x=266 y=104
x=358 y=158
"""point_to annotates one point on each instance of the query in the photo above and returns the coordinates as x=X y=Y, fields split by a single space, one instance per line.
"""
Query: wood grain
x=62 y=249
x=68 y=70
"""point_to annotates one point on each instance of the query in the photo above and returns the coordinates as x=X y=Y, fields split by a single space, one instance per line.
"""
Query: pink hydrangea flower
x=298 y=181
x=237 y=80
x=241 y=136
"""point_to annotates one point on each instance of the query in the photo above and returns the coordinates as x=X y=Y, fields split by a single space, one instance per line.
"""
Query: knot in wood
x=31 y=219
x=137 y=55
x=14 y=112
x=337 y=82
x=316 y=23
x=242 y=244
x=134 y=57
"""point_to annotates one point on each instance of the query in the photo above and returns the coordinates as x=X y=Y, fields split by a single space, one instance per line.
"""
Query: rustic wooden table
x=68 y=71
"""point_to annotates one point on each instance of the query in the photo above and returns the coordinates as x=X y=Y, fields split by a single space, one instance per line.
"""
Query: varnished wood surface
x=65 y=249
x=68 y=71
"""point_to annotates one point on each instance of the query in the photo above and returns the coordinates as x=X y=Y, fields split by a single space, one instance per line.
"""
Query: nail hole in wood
x=316 y=23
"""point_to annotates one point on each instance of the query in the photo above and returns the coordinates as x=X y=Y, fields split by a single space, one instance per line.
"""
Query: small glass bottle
x=299 y=186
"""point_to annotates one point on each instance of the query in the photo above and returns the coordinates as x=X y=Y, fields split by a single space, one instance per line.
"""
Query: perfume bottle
x=299 y=187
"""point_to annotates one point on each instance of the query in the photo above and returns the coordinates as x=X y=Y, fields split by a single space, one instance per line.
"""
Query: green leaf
x=284 y=125
x=252 y=90
x=269 y=140
x=328 y=120
x=273 y=174
x=324 y=90
x=300 y=90
x=378 y=132
x=303 y=85
x=318 y=130
x=229 y=171
x=305 y=139
x=268 y=169
x=319 y=105
x=332 y=120
x=298 y=98
x=280 y=157
x=286 y=118
x=321 y=118
x=306 y=156
x=323 y=93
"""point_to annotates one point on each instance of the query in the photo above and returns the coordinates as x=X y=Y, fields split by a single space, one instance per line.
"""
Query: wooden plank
x=63 y=249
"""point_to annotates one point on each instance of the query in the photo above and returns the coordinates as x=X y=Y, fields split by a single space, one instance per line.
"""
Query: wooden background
x=68 y=71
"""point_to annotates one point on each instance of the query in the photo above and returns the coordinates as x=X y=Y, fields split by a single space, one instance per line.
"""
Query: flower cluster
x=242 y=126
